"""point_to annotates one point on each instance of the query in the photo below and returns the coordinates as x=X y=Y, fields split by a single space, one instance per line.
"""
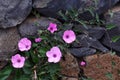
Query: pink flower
x=24 y=44
x=69 y=36
x=17 y=61
x=54 y=55
x=52 y=27
x=82 y=63
x=37 y=40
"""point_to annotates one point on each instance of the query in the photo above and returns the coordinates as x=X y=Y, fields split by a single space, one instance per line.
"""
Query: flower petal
x=17 y=61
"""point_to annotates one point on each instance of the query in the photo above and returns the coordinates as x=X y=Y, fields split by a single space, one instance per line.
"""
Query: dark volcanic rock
x=89 y=42
x=81 y=52
x=92 y=31
x=8 y=42
x=96 y=33
x=13 y=12
x=54 y=6
x=31 y=25
x=107 y=39
x=115 y=19
x=69 y=66
x=113 y=32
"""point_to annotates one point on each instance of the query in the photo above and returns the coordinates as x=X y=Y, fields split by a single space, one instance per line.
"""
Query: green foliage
x=4 y=73
x=118 y=72
x=35 y=13
x=111 y=13
x=72 y=16
x=115 y=38
x=110 y=26
x=112 y=53
x=109 y=75
x=52 y=71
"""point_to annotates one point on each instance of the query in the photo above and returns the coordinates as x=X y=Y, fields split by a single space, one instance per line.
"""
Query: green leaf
x=63 y=16
x=40 y=31
x=110 y=13
x=36 y=24
x=23 y=77
x=109 y=76
x=42 y=51
x=28 y=64
x=97 y=18
x=115 y=38
x=34 y=57
x=44 y=37
x=110 y=26
x=4 y=73
x=53 y=68
x=27 y=70
x=113 y=63
x=82 y=22
x=118 y=72
x=113 y=53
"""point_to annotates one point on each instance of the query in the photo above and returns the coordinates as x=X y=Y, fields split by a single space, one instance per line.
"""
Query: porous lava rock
x=69 y=66
x=101 y=66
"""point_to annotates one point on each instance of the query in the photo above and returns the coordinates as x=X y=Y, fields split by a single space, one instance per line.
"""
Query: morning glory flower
x=52 y=27
x=18 y=61
x=24 y=44
x=54 y=55
x=37 y=40
x=69 y=36
x=82 y=63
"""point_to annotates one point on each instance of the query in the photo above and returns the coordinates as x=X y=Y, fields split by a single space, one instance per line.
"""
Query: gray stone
x=115 y=19
x=81 y=52
x=96 y=32
x=107 y=39
x=8 y=42
x=54 y=6
x=13 y=12
x=31 y=25
x=89 y=42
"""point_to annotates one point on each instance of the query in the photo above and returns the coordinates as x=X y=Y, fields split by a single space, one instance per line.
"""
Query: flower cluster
x=54 y=54
x=33 y=52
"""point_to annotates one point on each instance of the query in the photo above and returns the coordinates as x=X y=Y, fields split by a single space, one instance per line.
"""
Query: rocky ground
x=23 y=18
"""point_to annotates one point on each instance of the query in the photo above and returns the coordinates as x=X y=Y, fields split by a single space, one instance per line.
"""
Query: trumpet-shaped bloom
x=54 y=55
x=24 y=44
x=52 y=27
x=17 y=61
x=82 y=63
x=37 y=40
x=69 y=36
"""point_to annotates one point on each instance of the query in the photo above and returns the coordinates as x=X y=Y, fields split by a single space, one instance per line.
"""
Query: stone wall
x=17 y=20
